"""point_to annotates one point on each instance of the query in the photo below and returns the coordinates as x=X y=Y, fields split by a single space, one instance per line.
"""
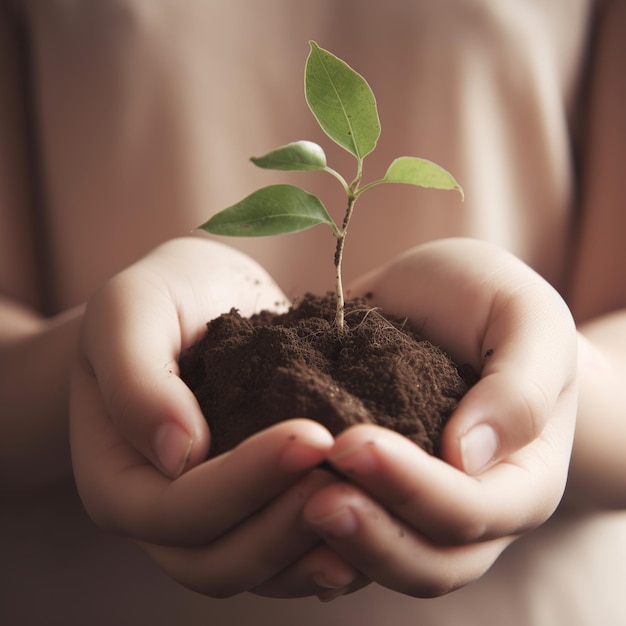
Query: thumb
x=158 y=415
x=131 y=350
x=495 y=418
x=529 y=368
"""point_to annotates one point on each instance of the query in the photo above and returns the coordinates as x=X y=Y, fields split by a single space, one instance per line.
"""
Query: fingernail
x=479 y=448
x=172 y=446
x=298 y=457
x=358 y=460
x=338 y=524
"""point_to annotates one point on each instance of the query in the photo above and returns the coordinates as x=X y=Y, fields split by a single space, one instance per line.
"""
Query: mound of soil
x=250 y=373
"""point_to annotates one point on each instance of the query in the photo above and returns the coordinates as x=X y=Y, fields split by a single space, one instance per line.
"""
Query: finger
x=390 y=552
x=125 y=493
x=136 y=326
x=320 y=572
x=529 y=363
x=502 y=318
x=445 y=504
x=131 y=339
x=252 y=553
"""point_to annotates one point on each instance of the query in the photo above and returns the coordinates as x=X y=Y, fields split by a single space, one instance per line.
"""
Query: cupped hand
x=139 y=440
x=423 y=525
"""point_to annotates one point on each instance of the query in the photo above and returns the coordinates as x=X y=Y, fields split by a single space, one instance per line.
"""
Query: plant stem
x=339 y=177
x=339 y=314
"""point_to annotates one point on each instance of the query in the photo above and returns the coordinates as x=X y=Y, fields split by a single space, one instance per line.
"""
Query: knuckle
x=100 y=514
x=473 y=529
x=468 y=528
x=536 y=408
x=440 y=581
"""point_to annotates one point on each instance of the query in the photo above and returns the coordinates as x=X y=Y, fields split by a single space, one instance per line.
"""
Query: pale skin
x=305 y=532
x=456 y=519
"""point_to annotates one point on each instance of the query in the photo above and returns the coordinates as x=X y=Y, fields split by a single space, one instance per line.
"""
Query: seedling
x=344 y=106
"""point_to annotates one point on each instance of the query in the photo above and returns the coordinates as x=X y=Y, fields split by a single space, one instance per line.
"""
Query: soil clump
x=250 y=373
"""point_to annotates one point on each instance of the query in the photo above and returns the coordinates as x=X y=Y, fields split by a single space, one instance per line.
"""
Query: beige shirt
x=146 y=114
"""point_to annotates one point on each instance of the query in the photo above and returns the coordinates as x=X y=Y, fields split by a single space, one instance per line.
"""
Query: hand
x=139 y=438
x=425 y=526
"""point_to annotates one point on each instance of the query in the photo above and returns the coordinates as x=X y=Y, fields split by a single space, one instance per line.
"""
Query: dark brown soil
x=250 y=373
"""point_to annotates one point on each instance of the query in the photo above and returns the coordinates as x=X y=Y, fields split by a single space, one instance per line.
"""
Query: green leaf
x=415 y=171
x=272 y=210
x=341 y=101
x=297 y=156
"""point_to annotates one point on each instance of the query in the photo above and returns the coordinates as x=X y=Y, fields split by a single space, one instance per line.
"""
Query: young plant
x=344 y=106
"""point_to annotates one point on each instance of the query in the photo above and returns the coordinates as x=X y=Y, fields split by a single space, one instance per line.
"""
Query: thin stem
x=369 y=186
x=339 y=314
x=359 y=175
x=339 y=177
